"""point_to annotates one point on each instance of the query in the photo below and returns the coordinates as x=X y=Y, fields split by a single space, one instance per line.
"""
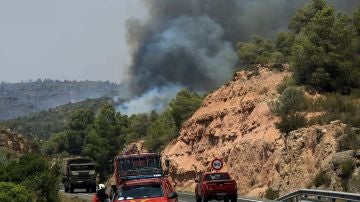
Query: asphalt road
x=183 y=197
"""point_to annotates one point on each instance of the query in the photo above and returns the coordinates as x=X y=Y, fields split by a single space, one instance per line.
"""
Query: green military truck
x=79 y=173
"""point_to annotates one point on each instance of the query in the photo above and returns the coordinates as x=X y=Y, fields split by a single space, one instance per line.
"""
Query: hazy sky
x=65 y=39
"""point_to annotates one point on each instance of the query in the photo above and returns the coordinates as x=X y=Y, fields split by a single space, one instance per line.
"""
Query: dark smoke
x=190 y=43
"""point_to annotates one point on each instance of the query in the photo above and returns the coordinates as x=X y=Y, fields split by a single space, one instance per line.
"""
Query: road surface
x=183 y=197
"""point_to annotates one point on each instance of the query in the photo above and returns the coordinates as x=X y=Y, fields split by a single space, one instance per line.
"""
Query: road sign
x=217 y=164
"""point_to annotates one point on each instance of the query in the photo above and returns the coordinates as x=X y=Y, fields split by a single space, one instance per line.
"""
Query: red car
x=218 y=186
x=146 y=190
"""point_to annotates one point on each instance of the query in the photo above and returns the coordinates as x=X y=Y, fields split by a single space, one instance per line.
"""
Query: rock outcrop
x=235 y=123
x=15 y=143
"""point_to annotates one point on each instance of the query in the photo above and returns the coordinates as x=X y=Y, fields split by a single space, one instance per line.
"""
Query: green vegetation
x=289 y=107
x=349 y=141
x=271 y=194
x=161 y=132
x=260 y=50
x=14 y=192
x=103 y=135
x=184 y=106
x=326 y=47
x=30 y=175
x=321 y=179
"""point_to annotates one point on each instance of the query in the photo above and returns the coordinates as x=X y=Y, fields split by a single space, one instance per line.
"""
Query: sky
x=65 y=39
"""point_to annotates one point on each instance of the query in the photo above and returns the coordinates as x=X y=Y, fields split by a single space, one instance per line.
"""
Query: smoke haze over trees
x=191 y=43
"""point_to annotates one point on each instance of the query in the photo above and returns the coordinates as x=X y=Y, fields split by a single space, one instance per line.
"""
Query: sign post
x=217 y=164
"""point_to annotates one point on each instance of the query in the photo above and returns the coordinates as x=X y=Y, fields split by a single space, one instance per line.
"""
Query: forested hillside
x=41 y=125
x=18 y=99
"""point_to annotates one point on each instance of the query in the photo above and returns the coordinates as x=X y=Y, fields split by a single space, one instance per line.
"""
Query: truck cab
x=79 y=173
x=140 y=177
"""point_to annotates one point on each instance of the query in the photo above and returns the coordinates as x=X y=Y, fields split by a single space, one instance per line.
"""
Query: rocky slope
x=235 y=123
x=15 y=143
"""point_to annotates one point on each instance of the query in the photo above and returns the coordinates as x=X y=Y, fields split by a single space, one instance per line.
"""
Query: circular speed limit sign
x=217 y=164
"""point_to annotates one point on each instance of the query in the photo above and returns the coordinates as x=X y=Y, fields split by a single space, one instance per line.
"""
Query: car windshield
x=140 y=191
x=83 y=167
x=217 y=176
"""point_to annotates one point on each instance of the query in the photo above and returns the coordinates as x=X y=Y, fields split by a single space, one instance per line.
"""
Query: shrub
x=291 y=101
x=347 y=168
x=291 y=122
x=287 y=82
x=271 y=194
x=13 y=192
x=321 y=179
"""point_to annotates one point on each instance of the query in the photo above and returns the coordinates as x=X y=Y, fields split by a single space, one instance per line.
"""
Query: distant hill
x=42 y=124
x=19 y=99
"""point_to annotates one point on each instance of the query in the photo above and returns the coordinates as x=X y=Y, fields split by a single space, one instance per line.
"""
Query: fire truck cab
x=140 y=177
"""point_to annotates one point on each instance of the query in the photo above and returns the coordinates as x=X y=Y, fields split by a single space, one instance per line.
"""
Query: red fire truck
x=140 y=177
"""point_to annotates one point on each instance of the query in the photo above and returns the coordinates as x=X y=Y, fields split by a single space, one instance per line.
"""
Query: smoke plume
x=191 y=42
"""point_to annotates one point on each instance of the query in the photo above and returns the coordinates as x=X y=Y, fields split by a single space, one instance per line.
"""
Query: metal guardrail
x=319 y=195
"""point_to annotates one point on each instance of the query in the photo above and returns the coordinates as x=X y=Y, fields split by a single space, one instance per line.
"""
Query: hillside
x=12 y=143
x=45 y=123
x=19 y=99
x=236 y=123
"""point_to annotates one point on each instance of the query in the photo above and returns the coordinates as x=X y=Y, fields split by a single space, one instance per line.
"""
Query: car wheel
x=93 y=189
x=87 y=189
x=234 y=199
x=204 y=199
x=71 y=188
x=226 y=200
x=198 y=198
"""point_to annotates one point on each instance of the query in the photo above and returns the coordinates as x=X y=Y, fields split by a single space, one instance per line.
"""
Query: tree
x=184 y=105
x=284 y=42
x=161 y=132
x=259 y=50
x=325 y=52
x=304 y=15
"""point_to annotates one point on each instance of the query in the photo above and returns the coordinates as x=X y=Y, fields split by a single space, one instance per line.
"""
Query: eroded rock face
x=235 y=123
x=14 y=142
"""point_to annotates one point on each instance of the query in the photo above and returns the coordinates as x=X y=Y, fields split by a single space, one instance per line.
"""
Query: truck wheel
x=87 y=189
x=93 y=189
x=72 y=188
x=66 y=188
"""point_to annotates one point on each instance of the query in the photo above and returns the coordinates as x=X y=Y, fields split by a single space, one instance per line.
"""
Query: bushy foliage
x=271 y=194
x=260 y=50
x=291 y=102
x=349 y=141
x=290 y=122
x=161 y=132
x=184 y=105
x=326 y=48
x=287 y=82
x=339 y=107
x=14 y=192
x=33 y=173
x=321 y=179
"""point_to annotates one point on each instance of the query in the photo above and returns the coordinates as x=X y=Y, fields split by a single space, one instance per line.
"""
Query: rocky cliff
x=235 y=123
